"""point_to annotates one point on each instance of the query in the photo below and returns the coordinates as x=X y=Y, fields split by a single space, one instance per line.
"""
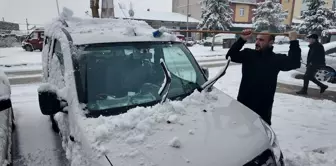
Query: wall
x=241 y=17
x=8 y=26
x=297 y=9
x=288 y=5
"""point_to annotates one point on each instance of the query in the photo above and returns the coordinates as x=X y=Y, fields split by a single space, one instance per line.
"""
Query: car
x=7 y=124
x=125 y=97
x=326 y=73
x=34 y=41
x=219 y=39
x=281 y=39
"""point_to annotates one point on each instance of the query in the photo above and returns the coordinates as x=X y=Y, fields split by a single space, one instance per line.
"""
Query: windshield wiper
x=212 y=81
x=166 y=81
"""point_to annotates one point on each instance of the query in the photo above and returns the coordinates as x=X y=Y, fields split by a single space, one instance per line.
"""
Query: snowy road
x=34 y=142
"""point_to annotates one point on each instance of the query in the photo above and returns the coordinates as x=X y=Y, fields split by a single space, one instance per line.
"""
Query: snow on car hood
x=203 y=129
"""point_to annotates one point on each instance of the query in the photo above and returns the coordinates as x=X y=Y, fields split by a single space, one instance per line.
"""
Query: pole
x=187 y=18
x=57 y=7
x=27 y=24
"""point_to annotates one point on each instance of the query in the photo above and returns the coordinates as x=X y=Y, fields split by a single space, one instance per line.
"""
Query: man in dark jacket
x=260 y=68
x=315 y=60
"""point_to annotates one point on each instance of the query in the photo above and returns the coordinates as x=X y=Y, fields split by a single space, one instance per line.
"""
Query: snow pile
x=175 y=142
x=138 y=124
x=5 y=89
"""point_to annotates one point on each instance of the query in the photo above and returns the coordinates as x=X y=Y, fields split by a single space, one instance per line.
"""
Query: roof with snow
x=98 y=30
x=252 y=2
x=154 y=16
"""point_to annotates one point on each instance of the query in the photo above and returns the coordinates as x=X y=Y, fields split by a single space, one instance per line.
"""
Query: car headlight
x=273 y=141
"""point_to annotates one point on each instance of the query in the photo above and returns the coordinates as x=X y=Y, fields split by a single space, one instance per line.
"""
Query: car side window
x=56 y=66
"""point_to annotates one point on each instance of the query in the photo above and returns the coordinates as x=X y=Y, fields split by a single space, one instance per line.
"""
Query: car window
x=56 y=66
x=179 y=64
x=34 y=35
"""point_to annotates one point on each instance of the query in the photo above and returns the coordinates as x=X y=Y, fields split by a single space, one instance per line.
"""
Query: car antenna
x=166 y=82
x=212 y=81
x=131 y=14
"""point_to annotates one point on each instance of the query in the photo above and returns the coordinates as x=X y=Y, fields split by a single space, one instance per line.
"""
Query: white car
x=6 y=121
x=281 y=40
x=122 y=97
x=327 y=73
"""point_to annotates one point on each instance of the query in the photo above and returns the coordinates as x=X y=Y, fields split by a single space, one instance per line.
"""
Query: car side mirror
x=50 y=102
x=206 y=71
x=5 y=104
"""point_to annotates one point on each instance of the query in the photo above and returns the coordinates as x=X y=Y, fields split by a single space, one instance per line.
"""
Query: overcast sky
x=42 y=11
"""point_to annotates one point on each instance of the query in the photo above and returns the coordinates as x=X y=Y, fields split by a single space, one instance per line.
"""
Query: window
x=34 y=35
x=118 y=76
x=241 y=11
x=56 y=66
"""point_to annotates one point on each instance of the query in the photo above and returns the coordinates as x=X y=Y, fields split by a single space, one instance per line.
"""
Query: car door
x=34 y=40
x=56 y=72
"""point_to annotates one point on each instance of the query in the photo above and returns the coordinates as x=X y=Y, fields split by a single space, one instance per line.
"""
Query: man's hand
x=292 y=35
x=246 y=34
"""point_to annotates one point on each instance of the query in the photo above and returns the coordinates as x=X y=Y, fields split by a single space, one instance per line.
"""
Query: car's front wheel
x=29 y=48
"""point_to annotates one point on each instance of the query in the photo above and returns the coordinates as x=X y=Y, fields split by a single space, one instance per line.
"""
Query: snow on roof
x=154 y=15
x=98 y=30
x=252 y=2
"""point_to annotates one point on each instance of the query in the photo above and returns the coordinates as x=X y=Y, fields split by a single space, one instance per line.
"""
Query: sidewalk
x=312 y=93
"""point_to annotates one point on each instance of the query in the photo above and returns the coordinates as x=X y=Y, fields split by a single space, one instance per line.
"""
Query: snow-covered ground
x=35 y=142
x=304 y=126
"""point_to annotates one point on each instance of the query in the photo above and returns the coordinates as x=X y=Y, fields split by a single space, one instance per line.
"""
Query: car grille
x=264 y=159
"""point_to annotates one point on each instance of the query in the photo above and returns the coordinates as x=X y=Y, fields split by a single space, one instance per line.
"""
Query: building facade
x=7 y=27
x=242 y=10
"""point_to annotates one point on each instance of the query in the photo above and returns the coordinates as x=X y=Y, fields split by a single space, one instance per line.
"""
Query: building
x=242 y=10
x=301 y=5
x=7 y=27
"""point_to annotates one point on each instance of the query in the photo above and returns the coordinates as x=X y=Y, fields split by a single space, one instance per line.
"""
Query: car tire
x=29 y=48
x=322 y=74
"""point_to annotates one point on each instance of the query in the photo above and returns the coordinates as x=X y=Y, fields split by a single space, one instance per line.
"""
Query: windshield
x=120 y=75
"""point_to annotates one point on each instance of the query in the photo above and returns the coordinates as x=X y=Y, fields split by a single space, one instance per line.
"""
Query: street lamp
x=57 y=7
x=187 y=18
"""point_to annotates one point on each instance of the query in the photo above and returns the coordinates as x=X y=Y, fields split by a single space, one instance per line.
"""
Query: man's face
x=263 y=41
x=311 y=40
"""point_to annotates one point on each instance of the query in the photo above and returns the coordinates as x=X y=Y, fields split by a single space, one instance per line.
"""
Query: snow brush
x=235 y=32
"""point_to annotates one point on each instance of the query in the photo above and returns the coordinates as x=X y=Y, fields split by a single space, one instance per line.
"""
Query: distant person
x=260 y=69
x=315 y=60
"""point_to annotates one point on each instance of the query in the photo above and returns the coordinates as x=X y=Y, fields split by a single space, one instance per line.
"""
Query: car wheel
x=325 y=74
x=29 y=48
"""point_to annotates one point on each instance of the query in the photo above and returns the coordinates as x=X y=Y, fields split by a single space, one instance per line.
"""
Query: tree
x=216 y=15
x=269 y=15
x=317 y=18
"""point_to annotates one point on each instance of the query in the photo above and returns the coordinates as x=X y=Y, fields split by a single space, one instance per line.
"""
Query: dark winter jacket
x=259 y=74
x=316 y=55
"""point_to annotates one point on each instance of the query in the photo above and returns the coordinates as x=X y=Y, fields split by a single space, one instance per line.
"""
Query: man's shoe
x=302 y=92
x=323 y=89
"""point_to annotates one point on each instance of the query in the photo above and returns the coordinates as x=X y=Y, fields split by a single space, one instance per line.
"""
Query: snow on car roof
x=99 y=30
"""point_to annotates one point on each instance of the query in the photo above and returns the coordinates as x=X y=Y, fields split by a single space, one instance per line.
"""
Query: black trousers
x=310 y=76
